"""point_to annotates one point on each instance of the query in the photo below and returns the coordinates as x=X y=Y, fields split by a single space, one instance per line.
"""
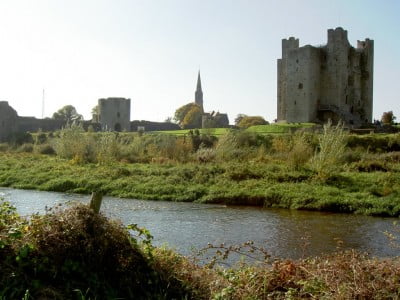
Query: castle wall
x=8 y=121
x=153 y=126
x=33 y=125
x=115 y=114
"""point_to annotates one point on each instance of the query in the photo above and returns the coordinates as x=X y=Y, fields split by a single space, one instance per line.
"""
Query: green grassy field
x=210 y=131
x=260 y=129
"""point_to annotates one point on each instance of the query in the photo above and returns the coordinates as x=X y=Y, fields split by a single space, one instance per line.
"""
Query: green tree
x=68 y=114
x=388 y=117
x=96 y=114
x=189 y=115
x=238 y=118
x=247 y=121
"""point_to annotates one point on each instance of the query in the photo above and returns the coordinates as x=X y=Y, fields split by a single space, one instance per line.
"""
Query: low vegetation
x=77 y=254
x=330 y=170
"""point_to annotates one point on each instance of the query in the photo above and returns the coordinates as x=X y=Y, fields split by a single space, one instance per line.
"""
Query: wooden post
x=95 y=201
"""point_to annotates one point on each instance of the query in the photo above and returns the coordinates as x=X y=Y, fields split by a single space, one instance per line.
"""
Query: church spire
x=198 y=95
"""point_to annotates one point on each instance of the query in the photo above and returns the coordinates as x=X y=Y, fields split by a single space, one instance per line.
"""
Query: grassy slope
x=271 y=185
x=261 y=129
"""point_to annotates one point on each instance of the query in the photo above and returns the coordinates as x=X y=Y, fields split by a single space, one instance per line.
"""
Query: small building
x=214 y=120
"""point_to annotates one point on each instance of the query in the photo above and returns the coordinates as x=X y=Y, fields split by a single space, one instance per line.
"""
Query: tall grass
x=331 y=148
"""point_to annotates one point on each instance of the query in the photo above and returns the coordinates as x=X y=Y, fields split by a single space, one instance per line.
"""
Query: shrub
x=28 y=148
x=300 y=152
x=4 y=147
x=205 y=155
x=20 y=138
x=248 y=121
x=107 y=148
x=331 y=147
x=41 y=138
x=45 y=149
x=74 y=144
x=63 y=252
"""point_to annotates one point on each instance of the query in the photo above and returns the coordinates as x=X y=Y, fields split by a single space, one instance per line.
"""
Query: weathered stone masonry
x=334 y=81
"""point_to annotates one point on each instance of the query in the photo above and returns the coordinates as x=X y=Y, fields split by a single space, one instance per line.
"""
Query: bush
x=331 y=147
x=300 y=152
x=64 y=253
x=45 y=149
x=41 y=138
x=74 y=144
x=205 y=155
x=4 y=147
x=108 y=148
x=28 y=148
x=20 y=138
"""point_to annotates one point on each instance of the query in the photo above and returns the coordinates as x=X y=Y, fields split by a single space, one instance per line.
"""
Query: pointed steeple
x=198 y=95
x=198 y=88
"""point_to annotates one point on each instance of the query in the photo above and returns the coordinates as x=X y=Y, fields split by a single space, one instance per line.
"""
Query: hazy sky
x=150 y=51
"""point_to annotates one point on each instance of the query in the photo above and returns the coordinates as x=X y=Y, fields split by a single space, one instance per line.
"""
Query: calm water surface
x=185 y=226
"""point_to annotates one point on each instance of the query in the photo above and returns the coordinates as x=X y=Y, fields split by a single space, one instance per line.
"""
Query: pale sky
x=150 y=51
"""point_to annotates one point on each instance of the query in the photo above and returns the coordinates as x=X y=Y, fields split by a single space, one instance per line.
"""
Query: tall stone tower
x=333 y=81
x=198 y=95
x=115 y=114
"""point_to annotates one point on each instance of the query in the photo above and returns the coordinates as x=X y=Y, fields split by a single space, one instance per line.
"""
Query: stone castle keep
x=115 y=114
x=334 y=81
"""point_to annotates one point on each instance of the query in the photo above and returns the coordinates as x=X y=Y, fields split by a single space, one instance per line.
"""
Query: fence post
x=95 y=201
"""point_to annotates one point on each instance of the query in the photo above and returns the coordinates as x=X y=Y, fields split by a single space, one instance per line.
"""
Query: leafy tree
x=68 y=114
x=247 y=121
x=189 y=115
x=388 y=117
x=238 y=118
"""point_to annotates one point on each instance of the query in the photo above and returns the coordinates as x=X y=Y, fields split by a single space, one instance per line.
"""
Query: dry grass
x=344 y=275
x=76 y=252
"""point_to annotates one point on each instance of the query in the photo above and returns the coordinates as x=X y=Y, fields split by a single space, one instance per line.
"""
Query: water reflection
x=184 y=226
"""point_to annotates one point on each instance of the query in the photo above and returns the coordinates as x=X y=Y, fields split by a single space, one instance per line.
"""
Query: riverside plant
x=331 y=148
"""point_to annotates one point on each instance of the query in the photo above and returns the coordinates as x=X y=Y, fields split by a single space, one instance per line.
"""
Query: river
x=188 y=226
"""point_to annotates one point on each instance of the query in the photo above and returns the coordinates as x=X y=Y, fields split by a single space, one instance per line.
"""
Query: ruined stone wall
x=153 y=126
x=115 y=114
x=332 y=81
x=32 y=124
x=8 y=121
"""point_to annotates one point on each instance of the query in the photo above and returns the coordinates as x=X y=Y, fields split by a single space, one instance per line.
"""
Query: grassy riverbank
x=248 y=183
x=77 y=254
x=327 y=171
